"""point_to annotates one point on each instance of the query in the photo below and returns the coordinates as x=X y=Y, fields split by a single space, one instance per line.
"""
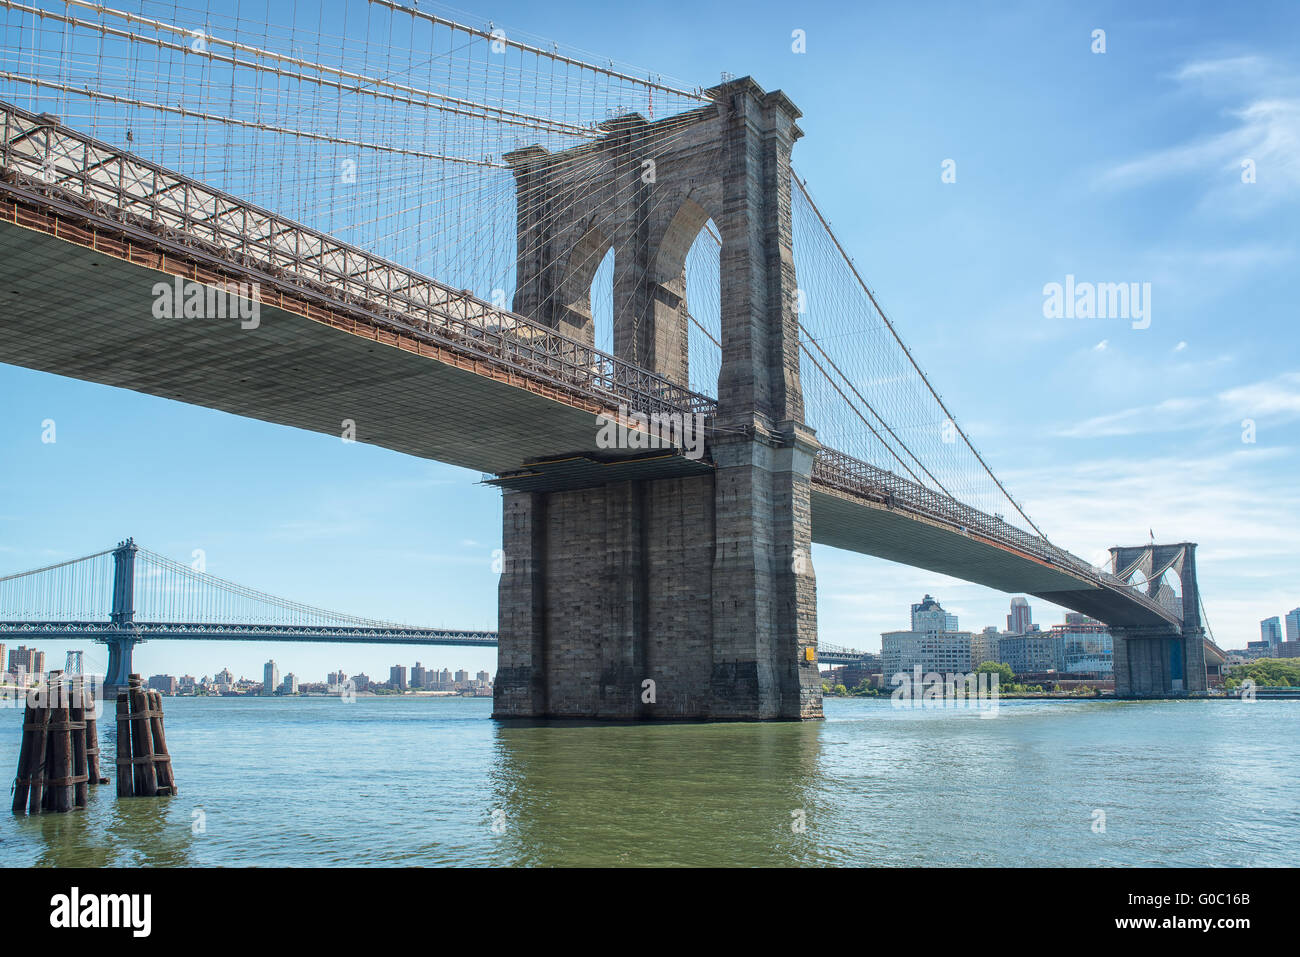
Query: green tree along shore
x=1007 y=685
x=863 y=690
x=1267 y=673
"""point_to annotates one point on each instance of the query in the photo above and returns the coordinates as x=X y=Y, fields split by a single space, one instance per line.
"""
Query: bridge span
x=701 y=565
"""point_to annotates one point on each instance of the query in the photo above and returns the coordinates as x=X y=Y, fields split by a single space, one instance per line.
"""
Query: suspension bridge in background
x=126 y=595
x=474 y=247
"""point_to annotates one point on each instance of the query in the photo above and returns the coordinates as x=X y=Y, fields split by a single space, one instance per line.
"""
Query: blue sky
x=1113 y=167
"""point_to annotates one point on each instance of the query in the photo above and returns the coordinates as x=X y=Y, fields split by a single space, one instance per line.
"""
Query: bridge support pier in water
x=688 y=596
x=675 y=598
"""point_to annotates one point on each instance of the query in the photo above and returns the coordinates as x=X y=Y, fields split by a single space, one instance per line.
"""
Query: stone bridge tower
x=701 y=583
x=1160 y=661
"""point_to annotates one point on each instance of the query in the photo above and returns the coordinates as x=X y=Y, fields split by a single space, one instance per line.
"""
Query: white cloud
x=1275 y=400
x=1263 y=128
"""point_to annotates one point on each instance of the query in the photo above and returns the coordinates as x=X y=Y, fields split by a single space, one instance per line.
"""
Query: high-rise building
x=444 y=680
x=397 y=677
x=24 y=660
x=417 y=676
x=928 y=616
x=462 y=678
x=1270 y=630
x=1292 y=627
x=270 y=677
x=484 y=679
x=1021 y=617
x=290 y=684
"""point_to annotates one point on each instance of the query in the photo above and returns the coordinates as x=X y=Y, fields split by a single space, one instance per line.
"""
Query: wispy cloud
x=1263 y=131
x=1274 y=400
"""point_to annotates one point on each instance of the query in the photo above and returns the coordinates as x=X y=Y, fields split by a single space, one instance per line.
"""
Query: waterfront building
x=484 y=679
x=940 y=652
x=290 y=684
x=1292 y=627
x=984 y=646
x=444 y=680
x=1087 y=646
x=397 y=677
x=418 y=676
x=1034 y=652
x=1021 y=618
x=360 y=682
x=928 y=616
x=1288 y=649
x=164 y=683
x=1270 y=630
x=270 y=677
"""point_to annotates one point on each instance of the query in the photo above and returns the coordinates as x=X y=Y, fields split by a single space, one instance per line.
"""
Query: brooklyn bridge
x=479 y=251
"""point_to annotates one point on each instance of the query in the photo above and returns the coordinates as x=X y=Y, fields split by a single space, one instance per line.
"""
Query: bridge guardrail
x=40 y=154
x=852 y=475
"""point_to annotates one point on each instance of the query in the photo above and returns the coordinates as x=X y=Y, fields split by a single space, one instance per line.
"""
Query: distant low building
x=1034 y=652
x=164 y=683
x=938 y=652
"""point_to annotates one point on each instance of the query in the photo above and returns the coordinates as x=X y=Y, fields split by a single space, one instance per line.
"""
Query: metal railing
x=848 y=474
x=45 y=162
x=235 y=631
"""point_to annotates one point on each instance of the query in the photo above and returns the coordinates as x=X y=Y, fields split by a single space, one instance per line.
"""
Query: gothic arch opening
x=591 y=258
x=686 y=276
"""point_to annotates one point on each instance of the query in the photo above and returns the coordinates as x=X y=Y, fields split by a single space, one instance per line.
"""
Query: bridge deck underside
x=77 y=312
x=843 y=521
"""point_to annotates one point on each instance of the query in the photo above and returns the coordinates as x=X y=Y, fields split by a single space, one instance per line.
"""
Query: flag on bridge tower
x=1153 y=534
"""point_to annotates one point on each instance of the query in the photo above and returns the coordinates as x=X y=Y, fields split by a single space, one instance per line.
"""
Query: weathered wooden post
x=144 y=772
x=124 y=765
x=58 y=778
x=92 y=740
x=36 y=767
x=23 y=779
x=162 y=760
x=77 y=723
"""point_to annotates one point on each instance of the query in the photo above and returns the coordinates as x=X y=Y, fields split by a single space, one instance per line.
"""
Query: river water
x=429 y=781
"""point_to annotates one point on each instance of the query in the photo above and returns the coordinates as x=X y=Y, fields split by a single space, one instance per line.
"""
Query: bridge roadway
x=87 y=231
x=200 y=631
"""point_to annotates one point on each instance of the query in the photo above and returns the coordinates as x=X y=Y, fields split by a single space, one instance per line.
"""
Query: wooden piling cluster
x=144 y=768
x=59 y=756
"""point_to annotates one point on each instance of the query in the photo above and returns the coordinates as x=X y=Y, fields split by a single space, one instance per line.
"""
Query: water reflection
x=656 y=794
